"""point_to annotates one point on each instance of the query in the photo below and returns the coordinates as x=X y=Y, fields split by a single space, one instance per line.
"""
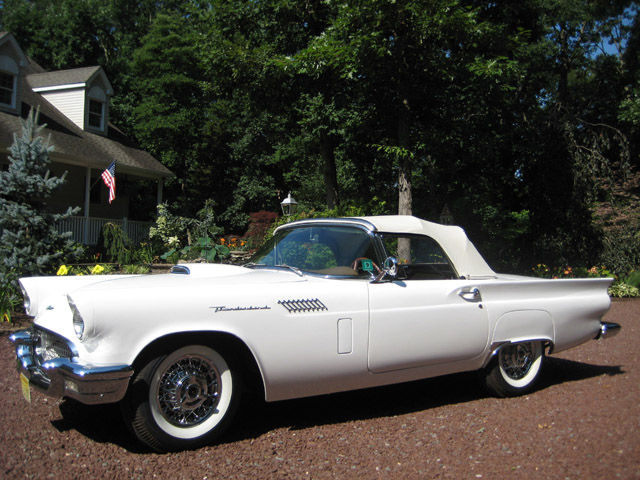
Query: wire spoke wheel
x=516 y=360
x=188 y=391
x=182 y=400
x=515 y=369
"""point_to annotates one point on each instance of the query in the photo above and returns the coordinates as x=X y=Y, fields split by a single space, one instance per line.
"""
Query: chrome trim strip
x=608 y=330
x=63 y=377
x=338 y=222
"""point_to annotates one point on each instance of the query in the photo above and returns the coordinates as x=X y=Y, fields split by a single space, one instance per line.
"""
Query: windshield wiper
x=295 y=270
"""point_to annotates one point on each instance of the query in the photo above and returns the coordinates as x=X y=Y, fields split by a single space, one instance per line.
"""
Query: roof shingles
x=72 y=144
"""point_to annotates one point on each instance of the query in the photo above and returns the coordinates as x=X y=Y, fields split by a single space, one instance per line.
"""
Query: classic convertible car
x=326 y=305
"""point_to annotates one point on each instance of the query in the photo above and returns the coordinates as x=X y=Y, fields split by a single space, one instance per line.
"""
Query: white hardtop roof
x=453 y=239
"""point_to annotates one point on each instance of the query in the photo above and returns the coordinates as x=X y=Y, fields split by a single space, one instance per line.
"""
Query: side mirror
x=391 y=266
x=389 y=270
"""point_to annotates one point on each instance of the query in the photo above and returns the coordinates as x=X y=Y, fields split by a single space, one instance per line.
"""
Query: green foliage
x=204 y=249
x=621 y=250
x=135 y=269
x=546 y=271
x=9 y=301
x=29 y=241
x=511 y=113
x=622 y=290
x=116 y=243
x=175 y=231
x=146 y=253
x=633 y=279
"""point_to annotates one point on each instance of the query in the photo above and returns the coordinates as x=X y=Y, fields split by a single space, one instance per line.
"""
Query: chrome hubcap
x=189 y=391
x=516 y=360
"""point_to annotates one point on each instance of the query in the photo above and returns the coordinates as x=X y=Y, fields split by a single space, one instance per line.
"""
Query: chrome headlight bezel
x=78 y=321
x=27 y=300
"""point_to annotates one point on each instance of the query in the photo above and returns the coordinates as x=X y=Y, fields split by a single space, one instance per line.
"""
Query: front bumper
x=608 y=330
x=66 y=376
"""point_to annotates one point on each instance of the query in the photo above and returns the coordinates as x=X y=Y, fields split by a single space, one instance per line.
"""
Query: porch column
x=87 y=196
x=160 y=185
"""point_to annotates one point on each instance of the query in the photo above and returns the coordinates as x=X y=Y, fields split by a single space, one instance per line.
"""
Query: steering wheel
x=354 y=265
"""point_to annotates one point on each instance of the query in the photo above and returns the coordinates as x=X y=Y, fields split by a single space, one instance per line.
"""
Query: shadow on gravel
x=102 y=423
x=558 y=370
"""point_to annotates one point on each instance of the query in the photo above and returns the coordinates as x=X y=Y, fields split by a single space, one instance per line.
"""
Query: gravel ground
x=581 y=423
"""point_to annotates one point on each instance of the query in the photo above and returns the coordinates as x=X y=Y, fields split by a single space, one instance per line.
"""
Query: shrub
x=633 y=279
x=29 y=241
x=135 y=269
x=622 y=290
x=621 y=250
x=259 y=223
x=116 y=243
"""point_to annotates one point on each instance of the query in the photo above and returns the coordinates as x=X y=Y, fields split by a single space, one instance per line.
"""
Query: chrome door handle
x=471 y=294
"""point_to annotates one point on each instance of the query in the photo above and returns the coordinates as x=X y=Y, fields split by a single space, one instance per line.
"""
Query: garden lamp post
x=288 y=205
x=445 y=216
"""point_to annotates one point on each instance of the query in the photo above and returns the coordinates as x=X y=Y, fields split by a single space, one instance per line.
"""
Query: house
x=74 y=105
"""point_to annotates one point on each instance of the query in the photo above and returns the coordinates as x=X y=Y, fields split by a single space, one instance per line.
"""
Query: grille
x=50 y=346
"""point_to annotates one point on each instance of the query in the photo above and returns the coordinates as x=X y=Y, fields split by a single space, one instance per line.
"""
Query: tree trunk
x=405 y=201
x=330 y=177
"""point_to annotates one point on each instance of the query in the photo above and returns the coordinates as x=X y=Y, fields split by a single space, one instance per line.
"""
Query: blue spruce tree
x=29 y=242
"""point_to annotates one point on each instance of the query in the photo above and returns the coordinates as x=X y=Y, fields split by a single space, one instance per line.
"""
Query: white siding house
x=74 y=105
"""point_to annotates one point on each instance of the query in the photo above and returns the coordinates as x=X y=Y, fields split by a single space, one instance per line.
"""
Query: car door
x=428 y=317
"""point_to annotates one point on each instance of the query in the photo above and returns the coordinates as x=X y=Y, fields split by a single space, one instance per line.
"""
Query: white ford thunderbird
x=326 y=305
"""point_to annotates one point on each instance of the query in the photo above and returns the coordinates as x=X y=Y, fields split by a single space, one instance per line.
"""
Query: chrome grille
x=49 y=347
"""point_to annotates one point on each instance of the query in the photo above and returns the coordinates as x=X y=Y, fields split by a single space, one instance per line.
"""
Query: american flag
x=109 y=178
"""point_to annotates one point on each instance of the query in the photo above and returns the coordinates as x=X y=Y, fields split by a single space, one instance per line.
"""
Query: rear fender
x=522 y=326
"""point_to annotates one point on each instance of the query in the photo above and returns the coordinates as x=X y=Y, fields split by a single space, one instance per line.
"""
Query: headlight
x=78 y=322
x=27 y=300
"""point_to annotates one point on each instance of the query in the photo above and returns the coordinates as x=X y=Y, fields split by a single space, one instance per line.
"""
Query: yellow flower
x=97 y=270
x=63 y=270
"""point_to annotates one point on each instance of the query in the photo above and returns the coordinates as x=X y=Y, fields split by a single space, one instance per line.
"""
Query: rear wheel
x=182 y=400
x=515 y=370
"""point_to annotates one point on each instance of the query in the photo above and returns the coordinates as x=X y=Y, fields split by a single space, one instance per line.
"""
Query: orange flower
x=222 y=240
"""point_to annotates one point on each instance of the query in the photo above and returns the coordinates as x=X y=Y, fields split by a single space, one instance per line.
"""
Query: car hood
x=193 y=275
x=42 y=291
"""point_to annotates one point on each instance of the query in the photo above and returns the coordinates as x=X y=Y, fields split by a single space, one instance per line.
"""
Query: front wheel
x=182 y=400
x=515 y=369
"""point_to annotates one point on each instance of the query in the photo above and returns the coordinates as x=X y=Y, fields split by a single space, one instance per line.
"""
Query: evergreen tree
x=29 y=241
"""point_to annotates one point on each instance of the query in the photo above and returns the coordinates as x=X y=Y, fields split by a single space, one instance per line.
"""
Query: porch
x=86 y=230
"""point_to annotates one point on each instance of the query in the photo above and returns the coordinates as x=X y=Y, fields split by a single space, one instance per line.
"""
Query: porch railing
x=137 y=232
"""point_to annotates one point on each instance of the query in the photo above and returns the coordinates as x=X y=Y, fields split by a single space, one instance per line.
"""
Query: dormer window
x=96 y=114
x=96 y=110
x=8 y=82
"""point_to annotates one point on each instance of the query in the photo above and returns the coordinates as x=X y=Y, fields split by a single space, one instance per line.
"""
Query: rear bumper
x=67 y=377
x=608 y=330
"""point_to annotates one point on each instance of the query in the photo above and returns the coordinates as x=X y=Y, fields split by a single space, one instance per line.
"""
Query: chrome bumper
x=608 y=330
x=65 y=377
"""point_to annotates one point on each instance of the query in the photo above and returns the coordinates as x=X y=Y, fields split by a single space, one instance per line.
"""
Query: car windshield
x=325 y=250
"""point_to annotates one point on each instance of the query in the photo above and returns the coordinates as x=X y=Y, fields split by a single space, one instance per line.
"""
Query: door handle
x=471 y=295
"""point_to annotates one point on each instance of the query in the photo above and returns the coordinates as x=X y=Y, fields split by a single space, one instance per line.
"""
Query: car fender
x=521 y=326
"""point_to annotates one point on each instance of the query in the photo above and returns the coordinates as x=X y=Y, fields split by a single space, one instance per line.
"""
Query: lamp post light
x=445 y=216
x=288 y=205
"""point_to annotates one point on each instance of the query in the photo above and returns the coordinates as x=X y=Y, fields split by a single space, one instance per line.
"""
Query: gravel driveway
x=583 y=422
